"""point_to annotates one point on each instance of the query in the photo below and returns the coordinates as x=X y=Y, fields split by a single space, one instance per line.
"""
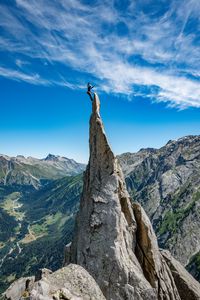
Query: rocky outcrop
x=114 y=241
x=69 y=283
x=187 y=286
x=166 y=183
x=19 y=289
x=153 y=265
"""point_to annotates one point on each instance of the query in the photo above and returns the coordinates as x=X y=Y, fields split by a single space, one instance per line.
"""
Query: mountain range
x=36 y=201
x=32 y=171
x=38 y=205
x=166 y=183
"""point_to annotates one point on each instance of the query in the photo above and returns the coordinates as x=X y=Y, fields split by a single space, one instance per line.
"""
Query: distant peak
x=20 y=156
x=149 y=149
x=51 y=157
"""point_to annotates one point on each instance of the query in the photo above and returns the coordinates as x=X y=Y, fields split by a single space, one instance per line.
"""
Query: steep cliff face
x=153 y=265
x=166 y=183
x=114 y=240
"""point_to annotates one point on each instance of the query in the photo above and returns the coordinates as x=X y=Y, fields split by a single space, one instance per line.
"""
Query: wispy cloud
x=20 y=76
x=151 y=52
x=36 y=79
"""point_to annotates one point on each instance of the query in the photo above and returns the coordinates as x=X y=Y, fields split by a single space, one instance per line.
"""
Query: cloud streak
x=152 y=53
x=20 y=76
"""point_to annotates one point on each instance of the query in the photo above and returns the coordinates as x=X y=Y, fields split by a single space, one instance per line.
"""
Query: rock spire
x=114 y=240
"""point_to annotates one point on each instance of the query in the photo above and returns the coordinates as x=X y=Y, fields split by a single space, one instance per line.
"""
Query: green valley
x=35 y=226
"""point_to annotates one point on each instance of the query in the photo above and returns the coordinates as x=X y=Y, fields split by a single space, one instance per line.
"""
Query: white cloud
x=20 y=76
x=85 y=38
x=35 y=78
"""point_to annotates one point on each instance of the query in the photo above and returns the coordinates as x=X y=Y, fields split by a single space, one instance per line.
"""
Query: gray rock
x=71 y=282
x=19 y=289
x=166 y=183
x=187 y=286
x=154 y=267
x=107 y=233
x=67 y=251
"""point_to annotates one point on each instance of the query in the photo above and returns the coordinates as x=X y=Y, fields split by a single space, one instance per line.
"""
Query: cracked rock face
x=114 y=241
x=153 y=265
x=187 y=286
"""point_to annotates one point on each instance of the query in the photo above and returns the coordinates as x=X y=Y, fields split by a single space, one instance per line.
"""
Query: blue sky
x=143 y=56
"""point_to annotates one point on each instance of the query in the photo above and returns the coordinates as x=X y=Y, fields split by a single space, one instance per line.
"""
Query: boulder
x=19 y=289
x=70 y=283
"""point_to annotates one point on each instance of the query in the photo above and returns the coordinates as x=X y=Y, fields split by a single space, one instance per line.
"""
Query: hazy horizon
x=84 y=162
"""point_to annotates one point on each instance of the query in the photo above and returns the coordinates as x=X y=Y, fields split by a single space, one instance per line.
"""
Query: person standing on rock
x=89 y=90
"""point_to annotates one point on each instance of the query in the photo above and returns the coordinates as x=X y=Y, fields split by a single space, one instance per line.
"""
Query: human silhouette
x=89 y=90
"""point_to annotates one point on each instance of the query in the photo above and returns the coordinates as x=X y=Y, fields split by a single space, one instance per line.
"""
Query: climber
x=89 y=90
